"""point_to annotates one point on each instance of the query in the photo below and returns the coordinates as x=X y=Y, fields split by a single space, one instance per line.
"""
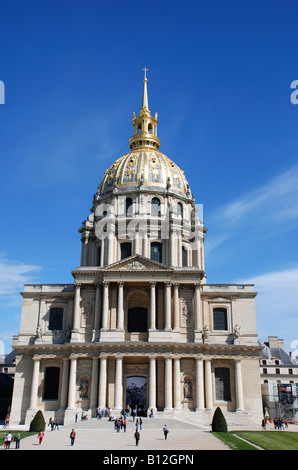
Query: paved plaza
x=100 y=435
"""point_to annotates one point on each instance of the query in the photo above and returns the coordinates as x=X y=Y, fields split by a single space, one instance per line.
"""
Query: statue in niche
x=84 y=389
x=187 y=389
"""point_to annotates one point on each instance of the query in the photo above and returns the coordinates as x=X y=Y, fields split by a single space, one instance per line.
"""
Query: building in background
x=279 y=380
x=139 y=327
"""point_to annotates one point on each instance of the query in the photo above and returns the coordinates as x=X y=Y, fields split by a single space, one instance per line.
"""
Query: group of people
x=279 y=423
x=9 y=438
x=53 y=424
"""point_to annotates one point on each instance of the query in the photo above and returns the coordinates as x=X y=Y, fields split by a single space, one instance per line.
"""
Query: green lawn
x=268 y=440
x=22 y=433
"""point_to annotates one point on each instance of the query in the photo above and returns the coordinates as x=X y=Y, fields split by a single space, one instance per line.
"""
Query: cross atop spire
x=145 y=70
x=145 y=94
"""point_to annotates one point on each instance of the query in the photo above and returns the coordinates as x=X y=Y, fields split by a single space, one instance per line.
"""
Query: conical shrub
x=38 y=422
x=219 y=423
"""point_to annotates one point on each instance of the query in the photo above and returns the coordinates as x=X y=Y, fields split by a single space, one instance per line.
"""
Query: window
x=222 y=383
x=184 y=256
x=180 y=209
x=264 y=371
x=125 y=250
x=220 y=318
x=155 y=206
x=277 y=371
x=128 y=206
x=156 y=252
x=291 y=371
x=137 y=319
x=56 y=318
x=51 y=383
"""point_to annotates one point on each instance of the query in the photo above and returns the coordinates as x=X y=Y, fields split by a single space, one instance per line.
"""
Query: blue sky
x=219 y=77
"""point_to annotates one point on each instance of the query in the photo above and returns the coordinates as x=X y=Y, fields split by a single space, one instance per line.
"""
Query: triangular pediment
x=137 y=263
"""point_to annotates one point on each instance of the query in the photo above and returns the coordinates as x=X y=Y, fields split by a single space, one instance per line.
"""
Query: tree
x=38 y=422
x=219 y=423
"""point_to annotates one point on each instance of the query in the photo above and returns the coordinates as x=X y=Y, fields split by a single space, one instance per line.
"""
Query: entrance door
x=136 y=394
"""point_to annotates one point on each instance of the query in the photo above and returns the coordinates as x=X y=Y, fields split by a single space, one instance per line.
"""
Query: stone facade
x=140 y=313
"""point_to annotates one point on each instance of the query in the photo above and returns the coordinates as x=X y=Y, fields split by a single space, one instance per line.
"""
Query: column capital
x=120 y=283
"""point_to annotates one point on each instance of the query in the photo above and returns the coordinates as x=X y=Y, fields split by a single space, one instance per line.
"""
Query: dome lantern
x=144 y=126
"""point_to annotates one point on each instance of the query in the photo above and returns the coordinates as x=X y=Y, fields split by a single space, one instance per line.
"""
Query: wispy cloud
x=266 y=210
x=14 y=274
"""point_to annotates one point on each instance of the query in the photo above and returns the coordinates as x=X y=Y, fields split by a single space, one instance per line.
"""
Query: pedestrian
x=264 y=424
x=141 y=422
x=137 y=437
x=124 y=425
x=165 y=431
x=72 y=437
x=17 y=440
x=57 y=424
x=8 y=439
x=40 y=436
x=76 y=418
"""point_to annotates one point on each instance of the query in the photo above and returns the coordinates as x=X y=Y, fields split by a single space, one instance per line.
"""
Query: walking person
x=140 y=422
x=40 y=436
x=165 y=431
x=72 y=437
x=17 y=440
x=137 y=437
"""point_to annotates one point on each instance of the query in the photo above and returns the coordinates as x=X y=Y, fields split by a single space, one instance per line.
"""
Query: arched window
x=56 y=318
x=180 y=209
x=125 y=250
x=155 y=206
x=128 y=206
x=51 y=383
x=156 y=252
x=220 y=318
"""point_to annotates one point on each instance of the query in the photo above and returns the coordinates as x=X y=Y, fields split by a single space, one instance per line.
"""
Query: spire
x=144 y=126
x=145 y=93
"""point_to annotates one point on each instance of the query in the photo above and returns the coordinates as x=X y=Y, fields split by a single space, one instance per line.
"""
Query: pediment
x=137 y=263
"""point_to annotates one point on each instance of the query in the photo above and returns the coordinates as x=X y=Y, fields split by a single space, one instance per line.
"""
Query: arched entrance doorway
x=136 y=394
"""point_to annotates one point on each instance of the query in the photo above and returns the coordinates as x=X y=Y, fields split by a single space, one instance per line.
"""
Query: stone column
x=97 y=313
x=176 y=307
x=76 y=313
x=208 y=382
x=64 y=385
x=34 y=383
x=72 y=383
x=94 y=384
x=102 y=388
x=120 y=313
x=152 y=383
x=177 y=388
x=168 y=384
x=239 y=388
x=152 y=323
x=198 y=320
x=118 y=384
x=105 y=305
x=199 y=385
x=168 y=325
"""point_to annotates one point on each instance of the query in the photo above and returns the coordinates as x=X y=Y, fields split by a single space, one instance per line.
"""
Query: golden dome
x=144 y=169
